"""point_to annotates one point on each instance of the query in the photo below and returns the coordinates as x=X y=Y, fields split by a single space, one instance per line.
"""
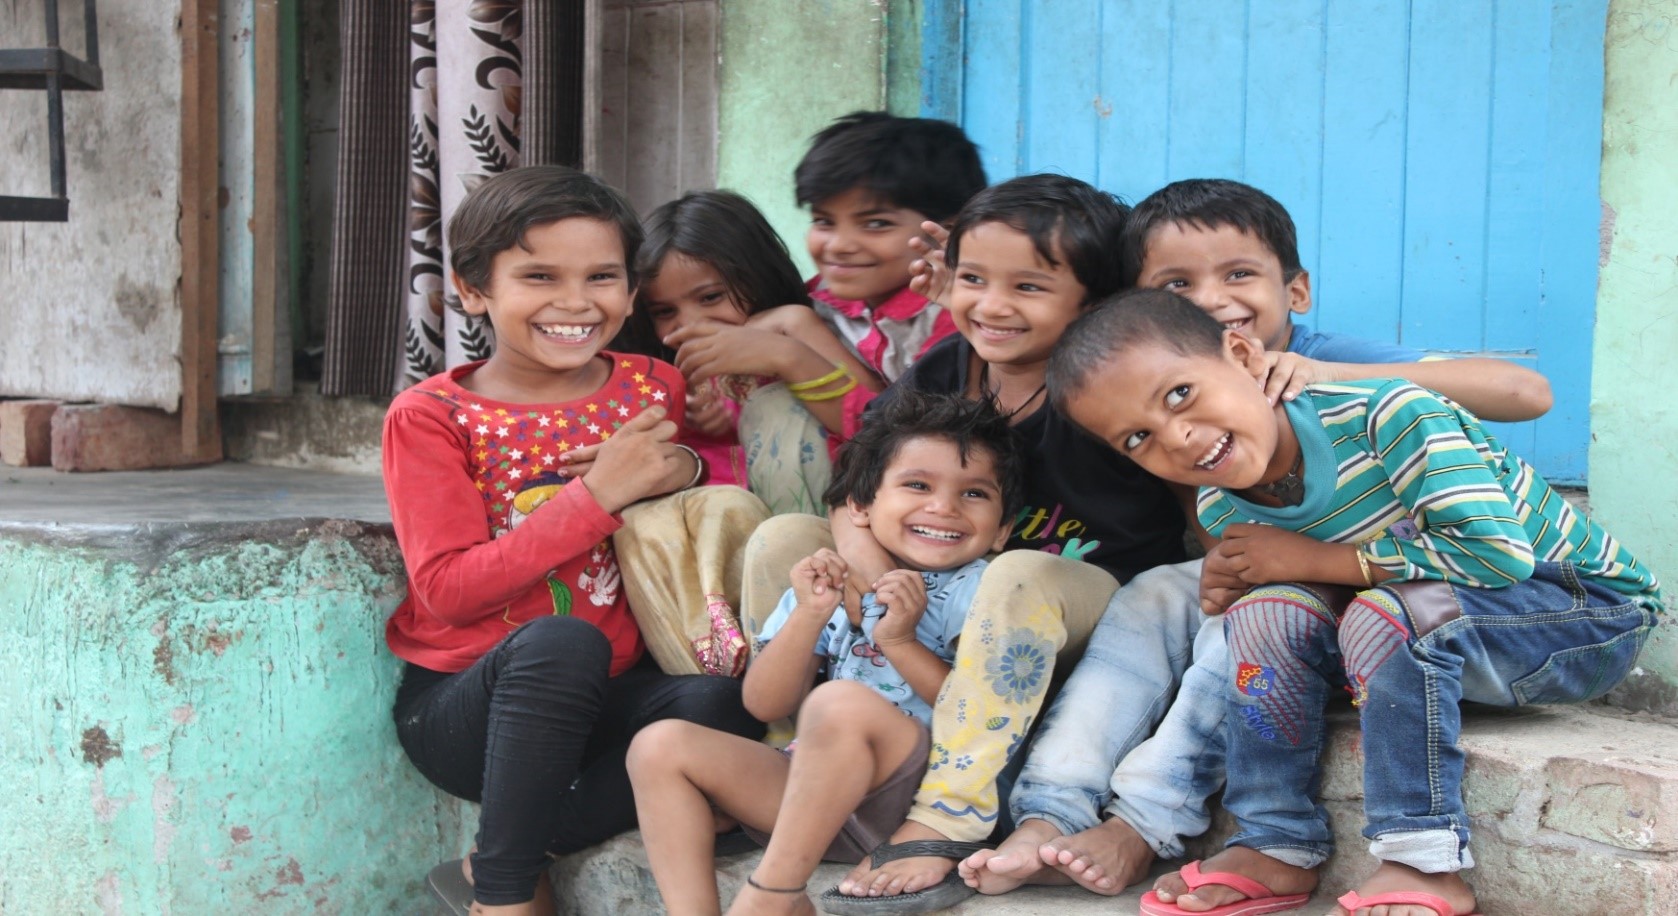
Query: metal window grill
x=53 y=69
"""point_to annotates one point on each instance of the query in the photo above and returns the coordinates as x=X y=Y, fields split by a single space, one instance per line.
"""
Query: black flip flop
x=449 y=888
x=943 y=895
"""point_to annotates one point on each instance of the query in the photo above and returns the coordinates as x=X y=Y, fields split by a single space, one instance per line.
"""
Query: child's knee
x=659 y=746
x=839 y=707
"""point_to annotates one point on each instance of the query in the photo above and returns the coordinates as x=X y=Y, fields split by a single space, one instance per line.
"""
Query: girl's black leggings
x=536 y=731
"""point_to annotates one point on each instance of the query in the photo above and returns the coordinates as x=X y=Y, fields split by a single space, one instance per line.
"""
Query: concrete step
x=1575 y=813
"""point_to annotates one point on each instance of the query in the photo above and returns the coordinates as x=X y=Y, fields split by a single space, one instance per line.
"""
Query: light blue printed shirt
x=852 y=654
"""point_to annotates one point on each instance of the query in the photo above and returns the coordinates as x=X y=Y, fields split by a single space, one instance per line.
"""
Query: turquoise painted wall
x=784 y=76
x=1634 y=422
x=199 y=723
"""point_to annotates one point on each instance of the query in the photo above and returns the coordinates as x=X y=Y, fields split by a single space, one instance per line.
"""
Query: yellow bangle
x=838 y=373
x=839 y=392
x=1363 y=567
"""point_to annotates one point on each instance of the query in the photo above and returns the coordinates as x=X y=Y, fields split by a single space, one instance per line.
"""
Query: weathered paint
x=1634 y=422
x=784 y=76
x=197 y=721
x=89 y=308
x=1438 y=157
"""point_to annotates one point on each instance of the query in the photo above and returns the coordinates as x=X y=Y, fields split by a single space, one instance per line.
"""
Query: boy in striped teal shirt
x=1374 y=537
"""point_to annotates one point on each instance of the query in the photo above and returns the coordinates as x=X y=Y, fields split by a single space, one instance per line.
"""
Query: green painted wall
x=1634 y=421
x=196 y=720
x=784 y=76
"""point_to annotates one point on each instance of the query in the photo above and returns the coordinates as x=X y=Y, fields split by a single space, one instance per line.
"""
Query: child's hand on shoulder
x=638 y=461
x=1287 y=374
x=929 y=275
x=818 y=582
x=903 y=593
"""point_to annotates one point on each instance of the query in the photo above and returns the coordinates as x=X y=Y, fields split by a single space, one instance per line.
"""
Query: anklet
x=752 y=880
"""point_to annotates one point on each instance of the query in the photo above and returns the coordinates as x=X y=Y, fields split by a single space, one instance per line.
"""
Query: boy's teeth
x=566 y=330
x=1213 y=453
x=938 y=533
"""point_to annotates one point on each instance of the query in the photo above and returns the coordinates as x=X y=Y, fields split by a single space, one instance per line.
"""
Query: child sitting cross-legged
x=1375 y=538
x=936 y=479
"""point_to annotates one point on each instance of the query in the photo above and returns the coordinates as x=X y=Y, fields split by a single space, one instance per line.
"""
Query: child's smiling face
x=554 y=301
x=685 y=292
x=933 y=513
x=1231 y=274
x=860 y=244
x=1010 y=303
x=1201 y=419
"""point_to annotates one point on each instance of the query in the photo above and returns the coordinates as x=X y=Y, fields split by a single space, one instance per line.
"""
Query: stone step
x=1575 y=811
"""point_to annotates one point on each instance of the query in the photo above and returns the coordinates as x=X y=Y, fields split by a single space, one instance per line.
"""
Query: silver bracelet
x=698 y=466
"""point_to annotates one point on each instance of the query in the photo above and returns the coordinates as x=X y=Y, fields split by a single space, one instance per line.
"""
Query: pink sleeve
x=457 y=571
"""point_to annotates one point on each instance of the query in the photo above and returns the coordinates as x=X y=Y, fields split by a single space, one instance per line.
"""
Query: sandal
x=946 y=893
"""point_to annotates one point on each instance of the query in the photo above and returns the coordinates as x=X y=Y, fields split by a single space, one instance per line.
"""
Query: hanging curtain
x=433 y=104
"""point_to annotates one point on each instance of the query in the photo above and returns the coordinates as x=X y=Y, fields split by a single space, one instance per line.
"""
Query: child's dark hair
x=724 y=230
x=1211 y=203
x=1059 y=214
x=920 y=164
x=1152 y=317
x=498 y=213
x=910 y=414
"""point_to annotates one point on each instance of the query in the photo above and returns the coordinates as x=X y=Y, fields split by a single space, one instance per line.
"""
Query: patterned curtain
x=464 y=126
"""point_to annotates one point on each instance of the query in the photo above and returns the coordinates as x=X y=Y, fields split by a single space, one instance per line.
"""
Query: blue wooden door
x=1440 y=157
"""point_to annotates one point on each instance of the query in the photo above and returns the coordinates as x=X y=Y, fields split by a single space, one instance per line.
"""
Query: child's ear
x=1002 y=538
x=1299 y=293
x=1247 y=353
x=472 y=302
x=858 y=513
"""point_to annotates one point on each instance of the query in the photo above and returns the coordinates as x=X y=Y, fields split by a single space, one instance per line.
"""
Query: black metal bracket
x=55 y=70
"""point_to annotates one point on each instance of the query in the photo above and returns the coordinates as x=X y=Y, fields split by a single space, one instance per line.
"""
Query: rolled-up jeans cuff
x=1430 y=851
x=1308 y=855
x=1059 y=823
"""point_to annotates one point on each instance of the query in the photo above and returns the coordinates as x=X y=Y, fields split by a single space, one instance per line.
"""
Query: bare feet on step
x=1392 y=877
x=1106 y=858
x=1281 y=878
x=1015 y=862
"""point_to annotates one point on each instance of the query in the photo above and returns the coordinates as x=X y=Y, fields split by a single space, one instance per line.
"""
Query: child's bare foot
x=901 y=876
x=1392 y=877
x=1106 y=858
x=767 y=899
x=1015 y=862
x=1281 y=878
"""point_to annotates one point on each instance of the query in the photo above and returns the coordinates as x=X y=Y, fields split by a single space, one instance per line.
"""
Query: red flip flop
x=1260 y=899
x=1352 y=902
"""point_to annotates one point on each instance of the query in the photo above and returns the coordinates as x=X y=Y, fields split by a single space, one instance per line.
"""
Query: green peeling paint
x=1634 y=422
x=204 y=727
x=784 y=76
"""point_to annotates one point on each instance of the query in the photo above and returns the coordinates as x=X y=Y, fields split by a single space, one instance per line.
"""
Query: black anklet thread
x=752 y=880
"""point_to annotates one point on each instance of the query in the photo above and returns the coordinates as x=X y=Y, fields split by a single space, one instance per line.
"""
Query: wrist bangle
x=839 y=392
x=838 y=373
x=1363 y=567
x=698 y=466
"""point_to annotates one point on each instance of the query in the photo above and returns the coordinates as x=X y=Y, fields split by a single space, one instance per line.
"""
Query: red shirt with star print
x=491 y=536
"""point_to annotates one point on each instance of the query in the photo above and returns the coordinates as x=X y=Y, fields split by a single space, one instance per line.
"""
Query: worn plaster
x=1634 y=423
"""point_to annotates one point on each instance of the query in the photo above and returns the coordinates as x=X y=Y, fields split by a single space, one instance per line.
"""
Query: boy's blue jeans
x=1093 y=753
x=1409 y=653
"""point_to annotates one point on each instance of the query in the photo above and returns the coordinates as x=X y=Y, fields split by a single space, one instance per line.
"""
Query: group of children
x=965 y=456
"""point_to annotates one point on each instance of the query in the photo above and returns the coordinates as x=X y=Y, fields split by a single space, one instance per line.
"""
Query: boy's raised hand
x=903 y=593
x=929 y=275
x=818 y=582
x=638 y=461
x=1287 y=374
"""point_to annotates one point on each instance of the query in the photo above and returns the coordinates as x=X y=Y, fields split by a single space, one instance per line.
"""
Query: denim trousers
x=1093 y=753
x=1409 y=653
x=537 y=732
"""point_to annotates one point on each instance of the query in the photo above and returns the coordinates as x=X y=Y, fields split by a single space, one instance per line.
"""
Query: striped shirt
x=1427 y=493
